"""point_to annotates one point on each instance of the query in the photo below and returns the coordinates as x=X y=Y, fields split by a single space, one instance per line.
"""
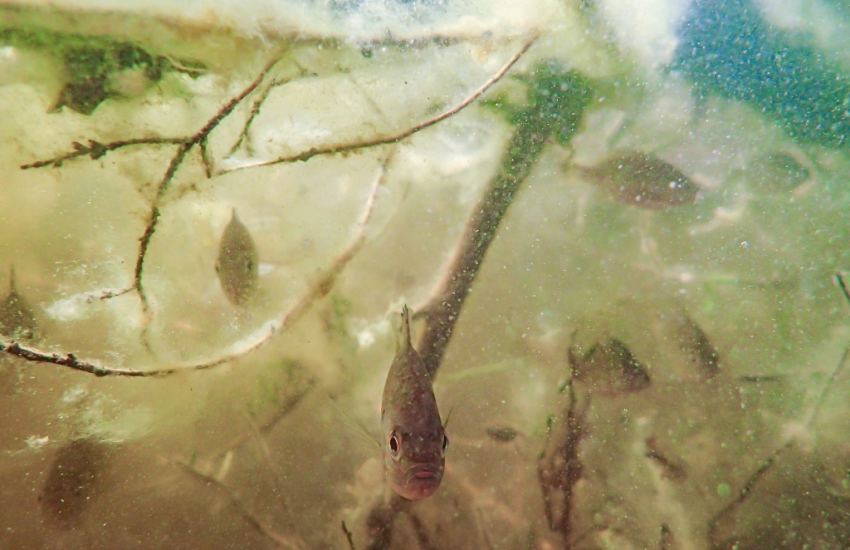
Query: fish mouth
x=424 y=473
x=420 y=481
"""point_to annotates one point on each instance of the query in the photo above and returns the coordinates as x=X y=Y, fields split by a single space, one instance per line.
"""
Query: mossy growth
x=92 y=63
x=555 y=101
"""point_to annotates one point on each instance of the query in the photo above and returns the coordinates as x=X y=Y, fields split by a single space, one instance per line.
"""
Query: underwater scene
x=425 y=274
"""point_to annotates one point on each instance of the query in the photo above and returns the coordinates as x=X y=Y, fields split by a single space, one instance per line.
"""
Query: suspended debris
x=17 y=319
x=608 y=368
x=72 y=482
x=238 y=262
x=642 y=180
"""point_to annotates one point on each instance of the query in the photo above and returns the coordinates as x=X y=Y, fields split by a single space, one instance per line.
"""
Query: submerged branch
x=556 y=103
x=344 y=148
x=320 y=287
x=559 y=468
x=443 y=309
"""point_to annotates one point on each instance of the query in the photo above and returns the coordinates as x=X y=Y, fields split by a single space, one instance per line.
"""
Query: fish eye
x=445 y=442
x=395 y=445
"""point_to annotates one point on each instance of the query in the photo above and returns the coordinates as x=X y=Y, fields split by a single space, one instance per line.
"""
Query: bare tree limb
x=343 y=148
x=319 y=288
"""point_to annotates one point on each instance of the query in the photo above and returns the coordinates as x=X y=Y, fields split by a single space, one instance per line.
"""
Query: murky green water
x=623 y=227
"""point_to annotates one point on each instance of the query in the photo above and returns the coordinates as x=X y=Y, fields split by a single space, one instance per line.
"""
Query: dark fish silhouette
x=642 y=180
x=502 y=433
x=238 y=262
x=414 y=441
x=696 y=345
x=608 y=368
x=72 y=482
x=17 y=319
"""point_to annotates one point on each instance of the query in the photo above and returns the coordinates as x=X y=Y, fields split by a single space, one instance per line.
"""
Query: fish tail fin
x=12 y=281
x=405 y=327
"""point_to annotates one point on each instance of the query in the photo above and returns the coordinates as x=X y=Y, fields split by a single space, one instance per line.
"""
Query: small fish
x=609 y=368
x=642 y=180
x=17 y=319
x=779 y=171
x=502 y=433
x=414 y=441
x=71 y=483
x=238 y=262
x=696 y=345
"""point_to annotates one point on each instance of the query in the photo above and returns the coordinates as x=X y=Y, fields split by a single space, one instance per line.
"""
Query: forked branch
x=319 y=288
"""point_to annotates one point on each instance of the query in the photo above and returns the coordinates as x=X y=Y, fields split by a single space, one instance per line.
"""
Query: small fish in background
x=608 y=368
x=696 y=345
x=72 y=482
x=414 y=441
x=238 y=262
x=780 y=171
x=17 y=319
x=642 y=180
x=501 y=433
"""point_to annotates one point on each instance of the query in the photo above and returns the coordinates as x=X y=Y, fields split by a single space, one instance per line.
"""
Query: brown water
x=719 y=417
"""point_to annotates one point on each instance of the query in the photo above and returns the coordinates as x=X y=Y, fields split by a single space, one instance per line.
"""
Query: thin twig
x=199 y=138
x=348 y=535
x=255 y=111
x=203 y=148
x=267 y=531
x=765 y=465
x=316 y=291
x=334 y=149
x=559 y=469
x=270 y=464
x=839 y=278
x=281 y=412
x=96 y=150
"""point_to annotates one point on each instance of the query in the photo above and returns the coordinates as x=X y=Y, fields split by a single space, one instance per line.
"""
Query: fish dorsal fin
x=404 y=342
